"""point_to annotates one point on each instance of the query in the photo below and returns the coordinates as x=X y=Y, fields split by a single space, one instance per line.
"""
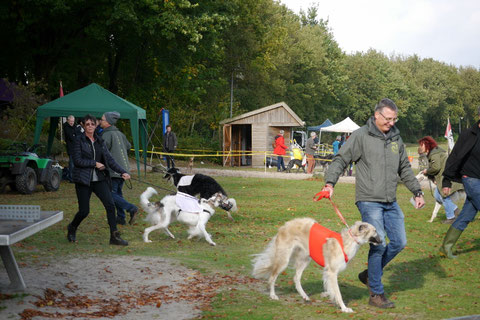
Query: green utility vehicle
x=22 y=169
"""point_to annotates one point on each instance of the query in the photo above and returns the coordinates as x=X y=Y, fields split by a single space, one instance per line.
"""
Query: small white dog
x=302 y=239
x=460 y=195
x=166 y=211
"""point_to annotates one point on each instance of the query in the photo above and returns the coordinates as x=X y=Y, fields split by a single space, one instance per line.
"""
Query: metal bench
x=18 y=222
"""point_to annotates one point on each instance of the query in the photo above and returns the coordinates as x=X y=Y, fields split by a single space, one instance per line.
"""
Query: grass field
x=423 y=285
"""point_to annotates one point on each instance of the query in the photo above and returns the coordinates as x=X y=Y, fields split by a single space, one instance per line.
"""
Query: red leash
x=326 y=194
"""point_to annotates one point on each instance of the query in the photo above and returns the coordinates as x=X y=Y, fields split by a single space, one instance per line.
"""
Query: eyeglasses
x=394 y=120
x=91 y=124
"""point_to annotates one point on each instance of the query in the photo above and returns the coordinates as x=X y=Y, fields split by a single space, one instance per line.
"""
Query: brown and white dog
x=293 y=243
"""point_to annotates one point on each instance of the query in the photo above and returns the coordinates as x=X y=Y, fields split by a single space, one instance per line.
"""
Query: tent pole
x=51 y=134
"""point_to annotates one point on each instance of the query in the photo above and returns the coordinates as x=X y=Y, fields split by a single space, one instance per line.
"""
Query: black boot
x=116 y=240
x=72 y=233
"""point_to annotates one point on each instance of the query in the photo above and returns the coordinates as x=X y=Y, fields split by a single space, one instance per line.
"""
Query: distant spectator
x=336 y=145
x=342 y=140
x=310 y=149
x=69 y=133
x=279 y=150
x=169 y=146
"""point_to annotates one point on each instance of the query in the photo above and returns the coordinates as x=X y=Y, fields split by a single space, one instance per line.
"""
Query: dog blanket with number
x=187 y=202
x=318 y=237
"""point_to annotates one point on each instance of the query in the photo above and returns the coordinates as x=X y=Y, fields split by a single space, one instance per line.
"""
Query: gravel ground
x=120 y=287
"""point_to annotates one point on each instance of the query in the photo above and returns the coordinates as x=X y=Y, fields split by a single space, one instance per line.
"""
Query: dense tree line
x=188 y=56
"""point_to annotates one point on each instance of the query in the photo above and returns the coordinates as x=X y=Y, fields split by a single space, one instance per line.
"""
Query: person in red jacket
x=279 y=150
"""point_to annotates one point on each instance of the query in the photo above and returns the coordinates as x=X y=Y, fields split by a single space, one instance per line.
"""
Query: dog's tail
x=263 y=262
x=145 y=196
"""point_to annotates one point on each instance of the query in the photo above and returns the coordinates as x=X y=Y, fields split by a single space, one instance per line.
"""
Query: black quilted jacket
x=85 y=163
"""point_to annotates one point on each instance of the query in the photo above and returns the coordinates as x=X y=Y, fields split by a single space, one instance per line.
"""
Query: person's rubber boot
x=449 y=241
x=71 y=233
x=116 y=240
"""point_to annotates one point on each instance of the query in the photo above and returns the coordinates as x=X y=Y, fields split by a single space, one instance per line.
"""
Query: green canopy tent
x=94 y=100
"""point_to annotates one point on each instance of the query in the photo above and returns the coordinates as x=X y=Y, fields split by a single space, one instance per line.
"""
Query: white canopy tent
x=346 y=125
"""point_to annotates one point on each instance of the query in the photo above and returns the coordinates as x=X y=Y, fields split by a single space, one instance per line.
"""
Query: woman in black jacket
x=463 y=165
x=91 y=157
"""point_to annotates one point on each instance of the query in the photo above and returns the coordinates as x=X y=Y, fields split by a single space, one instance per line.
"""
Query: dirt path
x=119 y=287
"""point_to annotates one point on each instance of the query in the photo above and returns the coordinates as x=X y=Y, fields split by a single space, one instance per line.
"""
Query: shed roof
x=266 y=109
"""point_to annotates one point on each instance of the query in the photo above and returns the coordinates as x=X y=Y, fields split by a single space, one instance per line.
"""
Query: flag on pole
x=449 y=135
x=61 y=89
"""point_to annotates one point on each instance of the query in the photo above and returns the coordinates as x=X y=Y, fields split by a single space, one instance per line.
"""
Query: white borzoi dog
x=166 y=211
x=457 y=196
x=293 y=243
x=201 y=185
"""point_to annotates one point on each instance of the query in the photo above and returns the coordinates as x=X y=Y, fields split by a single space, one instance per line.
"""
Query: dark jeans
x=170 y=162
x=471 y=205
x=280 y=163
x=120 y=203
x=102 y=191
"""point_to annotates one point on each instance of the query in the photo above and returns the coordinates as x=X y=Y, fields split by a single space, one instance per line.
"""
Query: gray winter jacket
x=118 y=146
x=380 y=159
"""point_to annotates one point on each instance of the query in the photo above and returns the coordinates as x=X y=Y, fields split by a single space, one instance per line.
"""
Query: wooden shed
x=247 y=137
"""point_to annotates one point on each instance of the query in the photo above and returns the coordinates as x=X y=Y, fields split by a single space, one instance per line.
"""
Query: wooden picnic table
x=12 y=231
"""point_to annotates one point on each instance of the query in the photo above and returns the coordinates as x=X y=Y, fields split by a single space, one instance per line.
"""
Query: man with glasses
x=380 y=157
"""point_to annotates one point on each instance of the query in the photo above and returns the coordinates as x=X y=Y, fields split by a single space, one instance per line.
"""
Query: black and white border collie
x=202 y=185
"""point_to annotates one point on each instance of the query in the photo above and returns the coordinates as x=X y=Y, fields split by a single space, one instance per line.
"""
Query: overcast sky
x=445 y=30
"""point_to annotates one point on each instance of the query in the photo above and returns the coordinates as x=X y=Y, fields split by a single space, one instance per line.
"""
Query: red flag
x=449 y=135
x=61 y=89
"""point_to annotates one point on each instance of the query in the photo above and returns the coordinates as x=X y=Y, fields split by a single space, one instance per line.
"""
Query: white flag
x=449 y=135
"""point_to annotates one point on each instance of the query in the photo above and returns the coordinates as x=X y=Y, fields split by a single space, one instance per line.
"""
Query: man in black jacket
x=69 y=131
x=463 y=166
x=169 y=145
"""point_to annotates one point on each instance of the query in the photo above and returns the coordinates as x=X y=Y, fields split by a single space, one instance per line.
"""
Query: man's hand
x=125 y=176
x=419 y=202
x=329 y=188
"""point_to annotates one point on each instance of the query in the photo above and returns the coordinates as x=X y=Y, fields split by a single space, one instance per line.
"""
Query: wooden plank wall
x=259 y=142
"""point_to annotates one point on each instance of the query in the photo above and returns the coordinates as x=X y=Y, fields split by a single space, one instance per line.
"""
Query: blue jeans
x=388 y=219
x=471 y=205
x=280 y=163
x=120 y=203
x=450 y=207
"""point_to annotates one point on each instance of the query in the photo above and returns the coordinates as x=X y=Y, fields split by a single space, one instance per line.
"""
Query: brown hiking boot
x=379 y=301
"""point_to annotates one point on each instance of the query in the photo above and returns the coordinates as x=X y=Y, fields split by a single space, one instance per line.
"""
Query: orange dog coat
x=318 y=237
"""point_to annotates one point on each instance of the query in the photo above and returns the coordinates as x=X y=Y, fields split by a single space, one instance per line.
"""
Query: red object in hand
x=321 y=195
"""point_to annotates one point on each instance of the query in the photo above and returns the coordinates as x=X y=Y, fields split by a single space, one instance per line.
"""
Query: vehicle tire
x=53 y=180
x=26 y=182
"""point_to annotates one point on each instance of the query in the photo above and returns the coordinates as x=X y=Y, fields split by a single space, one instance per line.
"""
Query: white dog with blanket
x=180 y=207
